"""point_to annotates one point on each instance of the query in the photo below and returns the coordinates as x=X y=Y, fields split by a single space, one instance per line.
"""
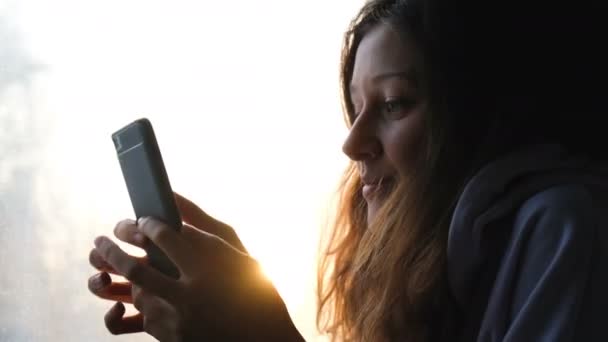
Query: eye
x=396 y=108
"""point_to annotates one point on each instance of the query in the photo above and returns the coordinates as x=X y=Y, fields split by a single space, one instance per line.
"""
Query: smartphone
x=147 y=183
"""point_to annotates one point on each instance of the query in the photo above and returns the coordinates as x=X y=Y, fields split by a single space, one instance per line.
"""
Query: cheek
x=404 y=141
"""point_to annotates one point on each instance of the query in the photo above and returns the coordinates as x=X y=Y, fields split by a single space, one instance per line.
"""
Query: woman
x=473 y=209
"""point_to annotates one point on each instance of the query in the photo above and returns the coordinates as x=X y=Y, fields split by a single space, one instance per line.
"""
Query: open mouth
x=371 y=191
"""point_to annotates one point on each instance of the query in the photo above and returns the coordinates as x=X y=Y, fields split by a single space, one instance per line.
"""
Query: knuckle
x=133 y=270
x=229 y=231
x=221 y=227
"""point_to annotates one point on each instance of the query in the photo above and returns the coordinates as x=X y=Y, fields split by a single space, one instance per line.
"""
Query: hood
x=496 y=191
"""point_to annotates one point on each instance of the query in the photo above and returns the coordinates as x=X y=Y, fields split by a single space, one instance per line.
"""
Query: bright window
x=244 y=99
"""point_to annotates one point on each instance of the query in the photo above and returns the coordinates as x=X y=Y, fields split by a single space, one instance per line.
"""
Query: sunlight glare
x=244 y=99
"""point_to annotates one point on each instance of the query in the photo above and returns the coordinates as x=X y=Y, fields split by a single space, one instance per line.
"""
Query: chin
x=372 y=210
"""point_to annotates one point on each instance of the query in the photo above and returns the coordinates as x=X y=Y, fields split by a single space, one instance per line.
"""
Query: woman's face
x=388 y=107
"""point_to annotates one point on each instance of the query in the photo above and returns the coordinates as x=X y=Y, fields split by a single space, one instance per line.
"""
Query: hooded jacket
x=528 y=249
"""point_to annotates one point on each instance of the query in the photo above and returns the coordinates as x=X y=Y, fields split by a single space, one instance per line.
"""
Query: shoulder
x=567 y=208
x=539 y=289
x=552 y=231
x=566 y=196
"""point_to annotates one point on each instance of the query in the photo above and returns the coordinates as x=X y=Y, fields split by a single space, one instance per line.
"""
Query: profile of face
x=388 y=106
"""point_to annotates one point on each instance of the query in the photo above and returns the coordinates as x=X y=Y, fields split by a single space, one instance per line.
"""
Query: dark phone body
x=147 y=183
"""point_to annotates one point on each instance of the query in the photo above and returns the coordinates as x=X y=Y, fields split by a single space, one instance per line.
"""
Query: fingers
x=205 y=243
x=117 y=324
x=102 y=286
x=150 y=306
x=97 y=261
x=193 y=214
x=197 y=217
x=169 y=241
x=127 y=231
x=160 y=318
x=138 y=273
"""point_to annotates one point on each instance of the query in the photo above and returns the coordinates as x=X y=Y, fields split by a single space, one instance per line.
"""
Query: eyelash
x=404 y=105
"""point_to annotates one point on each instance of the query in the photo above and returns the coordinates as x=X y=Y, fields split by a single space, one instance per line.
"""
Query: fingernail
x=142 y=220
x=98 y=282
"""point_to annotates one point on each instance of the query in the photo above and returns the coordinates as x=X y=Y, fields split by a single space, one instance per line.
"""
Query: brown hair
x=386 y=281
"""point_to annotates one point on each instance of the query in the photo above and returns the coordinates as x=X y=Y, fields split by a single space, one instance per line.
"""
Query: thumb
x=193 y=215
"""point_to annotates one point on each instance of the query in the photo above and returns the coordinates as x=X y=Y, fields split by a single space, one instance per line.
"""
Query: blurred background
x=244 y=99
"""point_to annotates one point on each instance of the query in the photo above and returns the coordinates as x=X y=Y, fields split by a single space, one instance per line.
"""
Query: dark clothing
x=528 y=249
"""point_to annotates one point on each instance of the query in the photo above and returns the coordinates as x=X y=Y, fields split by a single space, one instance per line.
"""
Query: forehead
x=382 y=50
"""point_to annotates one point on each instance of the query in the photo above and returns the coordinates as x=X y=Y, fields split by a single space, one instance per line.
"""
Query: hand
x=221 y=294
x=121 y=292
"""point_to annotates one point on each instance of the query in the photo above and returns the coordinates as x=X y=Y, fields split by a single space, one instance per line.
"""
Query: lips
x=373 y=188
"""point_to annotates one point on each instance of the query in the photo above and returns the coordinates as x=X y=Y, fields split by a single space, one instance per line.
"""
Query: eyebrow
x=406 y=75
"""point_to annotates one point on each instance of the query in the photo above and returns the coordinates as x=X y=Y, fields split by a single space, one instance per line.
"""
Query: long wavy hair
x=387 y=281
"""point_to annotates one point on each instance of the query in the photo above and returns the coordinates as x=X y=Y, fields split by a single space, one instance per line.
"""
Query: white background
x=244 y=99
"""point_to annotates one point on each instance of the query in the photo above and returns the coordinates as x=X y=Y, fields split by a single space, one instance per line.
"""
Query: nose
x=362 y=142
